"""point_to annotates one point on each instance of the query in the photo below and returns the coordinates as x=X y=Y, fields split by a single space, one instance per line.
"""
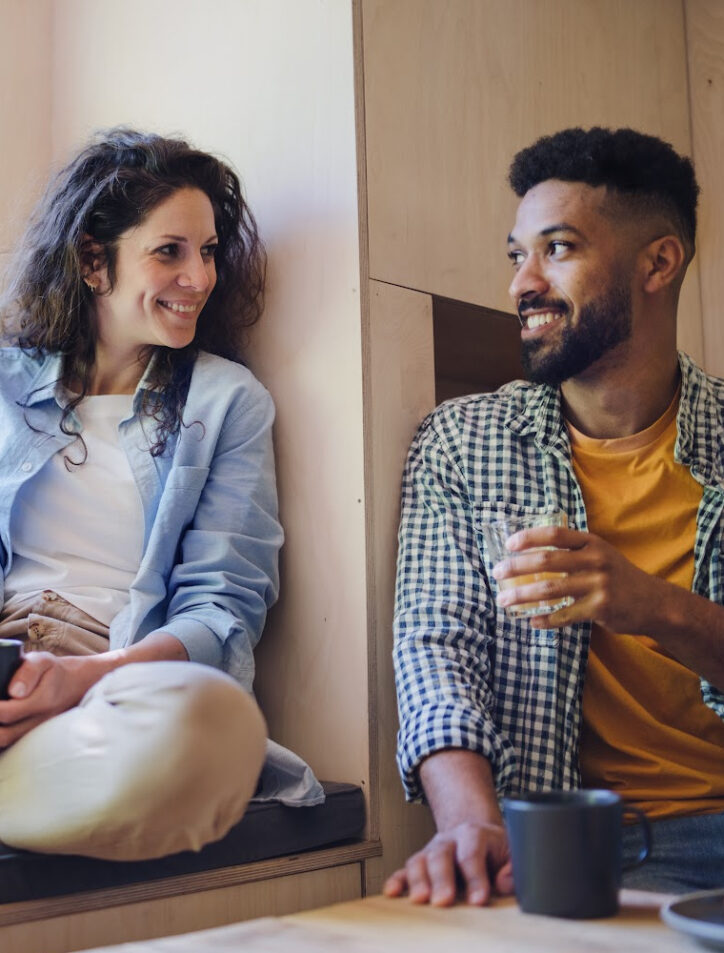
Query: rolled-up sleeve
x=443 y=648
x=226 y=575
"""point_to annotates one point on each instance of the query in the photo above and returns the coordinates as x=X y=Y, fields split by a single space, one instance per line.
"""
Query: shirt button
x=27 y=467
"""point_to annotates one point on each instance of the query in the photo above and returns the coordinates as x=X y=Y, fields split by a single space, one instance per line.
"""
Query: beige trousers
x=158 y=757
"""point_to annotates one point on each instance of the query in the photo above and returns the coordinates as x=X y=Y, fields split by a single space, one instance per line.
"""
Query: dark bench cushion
x=267 y=830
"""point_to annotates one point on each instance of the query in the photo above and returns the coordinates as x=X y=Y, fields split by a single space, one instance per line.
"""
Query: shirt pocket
x=493 y=512
x=507 y=628
x=192 y=479
x=176 y=511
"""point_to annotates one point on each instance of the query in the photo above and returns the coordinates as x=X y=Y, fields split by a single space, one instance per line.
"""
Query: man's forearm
x=459 y=788
x=691 y=628
x=470 y=847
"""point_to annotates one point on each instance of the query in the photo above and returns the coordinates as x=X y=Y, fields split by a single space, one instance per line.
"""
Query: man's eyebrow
x=562 y=227
x=558 y=227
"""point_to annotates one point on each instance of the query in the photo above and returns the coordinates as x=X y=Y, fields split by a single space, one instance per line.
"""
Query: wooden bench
x=275 y=860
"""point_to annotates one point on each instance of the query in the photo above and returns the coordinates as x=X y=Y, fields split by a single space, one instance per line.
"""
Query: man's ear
x=664 y=263
x=93 y=264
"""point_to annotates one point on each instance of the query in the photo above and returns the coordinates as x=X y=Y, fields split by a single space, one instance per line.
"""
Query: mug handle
x=645 y=851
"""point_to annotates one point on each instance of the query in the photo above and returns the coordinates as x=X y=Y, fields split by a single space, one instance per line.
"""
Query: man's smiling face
x=572 y=284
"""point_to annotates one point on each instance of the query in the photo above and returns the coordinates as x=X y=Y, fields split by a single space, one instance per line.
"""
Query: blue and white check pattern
x=468 y=676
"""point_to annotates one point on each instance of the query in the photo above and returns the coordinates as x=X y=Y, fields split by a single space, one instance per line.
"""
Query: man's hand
x=475 y=855
x=471 y=846
x=608 y=589
x=605 y=586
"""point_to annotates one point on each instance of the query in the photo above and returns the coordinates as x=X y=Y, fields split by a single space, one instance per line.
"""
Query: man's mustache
x=540 y=303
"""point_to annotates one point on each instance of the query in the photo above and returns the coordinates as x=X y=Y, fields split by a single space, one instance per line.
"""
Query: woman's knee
x=180 y=713
x=181 y=753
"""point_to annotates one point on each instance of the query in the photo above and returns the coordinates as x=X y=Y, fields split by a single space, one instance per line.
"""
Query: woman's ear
x=93 y=264
x=664 y=262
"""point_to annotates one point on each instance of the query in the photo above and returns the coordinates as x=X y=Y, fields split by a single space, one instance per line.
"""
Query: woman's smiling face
x=164 y=274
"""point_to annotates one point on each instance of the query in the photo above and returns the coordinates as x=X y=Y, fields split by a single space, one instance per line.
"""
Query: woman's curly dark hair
x=108 y=188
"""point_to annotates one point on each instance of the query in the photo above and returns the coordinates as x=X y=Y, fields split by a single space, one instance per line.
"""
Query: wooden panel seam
x=373 y=795
x=692 y=152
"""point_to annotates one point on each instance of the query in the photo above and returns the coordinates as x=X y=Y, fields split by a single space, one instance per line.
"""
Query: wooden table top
x=379 y=925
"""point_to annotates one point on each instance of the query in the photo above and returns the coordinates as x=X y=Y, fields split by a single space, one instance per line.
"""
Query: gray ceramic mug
x=566 y=850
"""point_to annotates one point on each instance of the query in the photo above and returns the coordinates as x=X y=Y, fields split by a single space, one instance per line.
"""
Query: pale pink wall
x=268 y=83
x=25 y=71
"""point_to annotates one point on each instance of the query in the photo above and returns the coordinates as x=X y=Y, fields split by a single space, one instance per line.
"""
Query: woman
x=138 y=521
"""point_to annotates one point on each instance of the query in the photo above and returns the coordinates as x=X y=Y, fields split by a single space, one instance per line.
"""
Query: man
x=617 y=689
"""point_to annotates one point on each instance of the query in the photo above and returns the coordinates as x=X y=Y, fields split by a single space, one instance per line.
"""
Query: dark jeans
x=687 y=855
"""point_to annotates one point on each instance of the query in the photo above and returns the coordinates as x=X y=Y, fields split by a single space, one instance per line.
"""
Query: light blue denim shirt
x=208 y=572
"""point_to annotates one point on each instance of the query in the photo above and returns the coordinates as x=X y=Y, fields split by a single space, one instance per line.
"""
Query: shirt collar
x=700 y=422
x=48 y=384
x=145 y=383
x=541 y=416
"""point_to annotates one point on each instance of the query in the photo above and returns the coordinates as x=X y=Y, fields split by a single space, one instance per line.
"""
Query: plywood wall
x=453 y=88
x=400 y=392
x=705 y=42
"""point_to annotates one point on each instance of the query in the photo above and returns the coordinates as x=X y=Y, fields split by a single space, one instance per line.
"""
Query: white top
x=78 y=530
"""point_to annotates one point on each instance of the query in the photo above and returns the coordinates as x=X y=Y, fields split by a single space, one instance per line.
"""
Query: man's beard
x=602 y=325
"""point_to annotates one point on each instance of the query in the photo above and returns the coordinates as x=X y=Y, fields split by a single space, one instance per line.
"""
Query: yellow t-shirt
x=646 y=731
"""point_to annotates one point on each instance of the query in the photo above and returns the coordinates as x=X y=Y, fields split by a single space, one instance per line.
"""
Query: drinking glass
x=497 y=532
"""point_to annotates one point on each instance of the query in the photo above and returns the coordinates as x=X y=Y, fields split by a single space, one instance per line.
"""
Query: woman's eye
x=208 y=251
x=559 y=247
x=168 y=251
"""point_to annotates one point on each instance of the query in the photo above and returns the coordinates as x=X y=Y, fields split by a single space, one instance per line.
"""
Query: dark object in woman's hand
x=11 y=657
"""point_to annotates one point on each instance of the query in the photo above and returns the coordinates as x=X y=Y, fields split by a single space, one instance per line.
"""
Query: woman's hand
x=46 y=685
x=43 y=686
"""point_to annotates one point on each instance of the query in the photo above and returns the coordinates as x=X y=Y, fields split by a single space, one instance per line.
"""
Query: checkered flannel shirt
x=468 y=676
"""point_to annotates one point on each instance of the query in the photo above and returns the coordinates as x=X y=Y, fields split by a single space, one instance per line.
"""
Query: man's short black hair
x=641 y=168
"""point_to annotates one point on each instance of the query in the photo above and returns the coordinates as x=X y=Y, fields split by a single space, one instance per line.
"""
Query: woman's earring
x=92 y=285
